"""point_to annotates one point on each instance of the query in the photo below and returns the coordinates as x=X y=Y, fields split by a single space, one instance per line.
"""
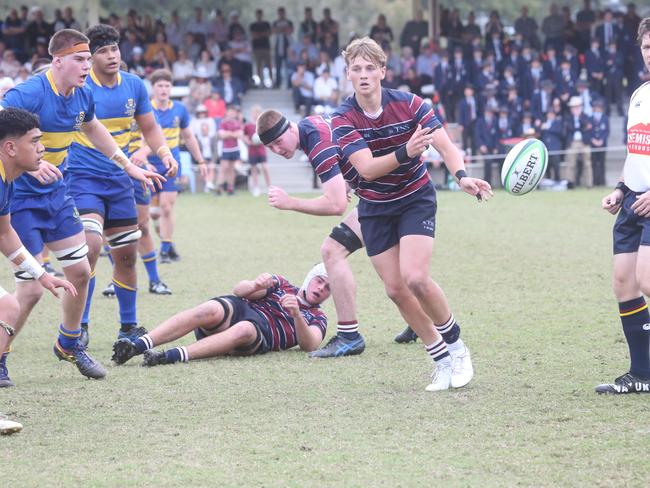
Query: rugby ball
x=524 y=166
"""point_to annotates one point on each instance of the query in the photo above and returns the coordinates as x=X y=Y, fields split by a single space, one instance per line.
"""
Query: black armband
x=621 y=186
x=401 y=155
x=461 y=173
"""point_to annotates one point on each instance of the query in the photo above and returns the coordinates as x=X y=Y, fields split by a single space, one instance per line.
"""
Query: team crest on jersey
x=177 y=121
x=130 y=107
x=79 y=120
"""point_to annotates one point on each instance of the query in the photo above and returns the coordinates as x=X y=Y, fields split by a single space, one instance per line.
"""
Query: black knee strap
x=346 y=237
x=251 y=348
x=226 y=313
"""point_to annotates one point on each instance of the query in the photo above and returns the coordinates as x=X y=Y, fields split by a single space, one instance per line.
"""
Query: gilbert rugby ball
x=524 y=166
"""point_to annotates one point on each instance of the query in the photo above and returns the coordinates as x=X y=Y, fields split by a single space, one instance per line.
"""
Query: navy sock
x=143 y=343
x=151 y=266
x=176 y=354
x=126 y=298
x=636 y=327
x=348 y=330
x=450 y=330
x=85 y=319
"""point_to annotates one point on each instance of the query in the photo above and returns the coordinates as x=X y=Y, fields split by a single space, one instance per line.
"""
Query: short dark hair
x=101 y=35
x=16 y=122
x=644 y=28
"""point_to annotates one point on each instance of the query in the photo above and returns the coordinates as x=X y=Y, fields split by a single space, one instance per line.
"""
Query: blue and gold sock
x=151 y=266
x=165 y=246
x=636 y=327
x=126 y=297
x=85 y=319
x=68 y=338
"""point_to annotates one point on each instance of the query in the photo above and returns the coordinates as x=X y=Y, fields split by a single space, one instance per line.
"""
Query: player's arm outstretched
x=453 y=159
x=333 y=201
x=155 y=139
x=309 y=338
x=104 y=142
x=14 y=250
x=254 y=289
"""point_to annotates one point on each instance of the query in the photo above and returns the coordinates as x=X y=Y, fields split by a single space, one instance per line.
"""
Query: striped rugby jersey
x=317 y=141
x=401 y=113
x=174 y=118
x=283 y=329
x=61 y=118
x=6 y=189
x=115 y=107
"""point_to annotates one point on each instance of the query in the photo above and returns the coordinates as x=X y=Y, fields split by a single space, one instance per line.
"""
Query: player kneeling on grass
x=266 y=314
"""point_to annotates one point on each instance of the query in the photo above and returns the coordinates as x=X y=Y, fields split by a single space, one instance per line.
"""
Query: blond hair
x=266 y=120
x=644 y=28
x=364 y=48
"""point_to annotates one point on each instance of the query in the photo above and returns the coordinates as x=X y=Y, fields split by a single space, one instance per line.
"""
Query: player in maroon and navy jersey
x=262 y=315
x=256 y=153
x=383 y=133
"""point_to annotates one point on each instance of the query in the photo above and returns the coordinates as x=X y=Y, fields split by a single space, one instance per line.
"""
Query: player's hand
x=203 y=170
x=642 y=205
x=264 y=281
x=51 y=283
x=476 y=187
x=171 y=164
x=612 y=202
x=290 y=304
x=139 y=158
x=46 y=173
x=148 y=178
x=279 y=198
x=419 y=141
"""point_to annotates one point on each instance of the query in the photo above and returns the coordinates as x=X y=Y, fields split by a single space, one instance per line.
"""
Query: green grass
x=528 y=278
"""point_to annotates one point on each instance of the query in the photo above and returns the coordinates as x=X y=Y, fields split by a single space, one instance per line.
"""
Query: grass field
x=529 y=280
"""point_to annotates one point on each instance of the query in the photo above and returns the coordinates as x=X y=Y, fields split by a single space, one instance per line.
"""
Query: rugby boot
x=154 y=358
x=164 y=258
x=77 y=355
x=625 y=384
x=173 y=254
x=109 y=291
x=123 y=350
x=406 y=336
x=84 y=338
x=462 y=370
x=441 y=377
x=339 y=346
x=132 y=334
x=8 y=427
x=159 y=288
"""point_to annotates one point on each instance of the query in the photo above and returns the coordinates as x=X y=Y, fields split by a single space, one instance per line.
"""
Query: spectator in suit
x=466 y=118
x=230 y=88
x=417 y=29
x=564 y=81
x=486 y=78
x=577 y=129
x=476 y=65
x=527 y=27
x=531 y=81
x=585 y=93
x=507 y=127
x=595 y=65
x=487 y=141
x=553 y=28
x=283 y=29
x=551 y=63
x=527 y=127
x=507 y=81
x=471 y=31
x=552 y=133
x=513 y=101
x=452 y=28
x=608 y=31
x=443 y=78
x=542 y=101
x=598 y=141
x=614 y=63
x=571 y=55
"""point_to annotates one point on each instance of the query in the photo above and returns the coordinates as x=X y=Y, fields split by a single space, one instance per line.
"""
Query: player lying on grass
x=262 y=315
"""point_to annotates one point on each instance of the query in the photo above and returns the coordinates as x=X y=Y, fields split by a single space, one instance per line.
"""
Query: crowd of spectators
x=498 y=83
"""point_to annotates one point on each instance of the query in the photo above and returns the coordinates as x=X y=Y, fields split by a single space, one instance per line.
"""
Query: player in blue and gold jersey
x=20 y=151
x=105 y=198
x=42 y=211
x=174 y=120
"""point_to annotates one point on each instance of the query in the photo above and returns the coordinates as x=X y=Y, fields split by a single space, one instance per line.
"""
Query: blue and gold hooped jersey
x=115 y=107
x=135 y=141
x=5 y=191
x=171 y=120
x=61 y=118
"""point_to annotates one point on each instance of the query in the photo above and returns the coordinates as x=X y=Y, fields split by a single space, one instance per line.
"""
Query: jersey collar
x=50 y=79
x=155 y=105
x=3 y=174
x=93 y=76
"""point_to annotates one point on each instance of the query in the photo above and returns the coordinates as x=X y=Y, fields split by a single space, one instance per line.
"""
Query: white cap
x=318 y=270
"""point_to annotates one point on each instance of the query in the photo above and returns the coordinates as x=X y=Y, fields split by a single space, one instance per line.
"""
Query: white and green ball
x=524 y=166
